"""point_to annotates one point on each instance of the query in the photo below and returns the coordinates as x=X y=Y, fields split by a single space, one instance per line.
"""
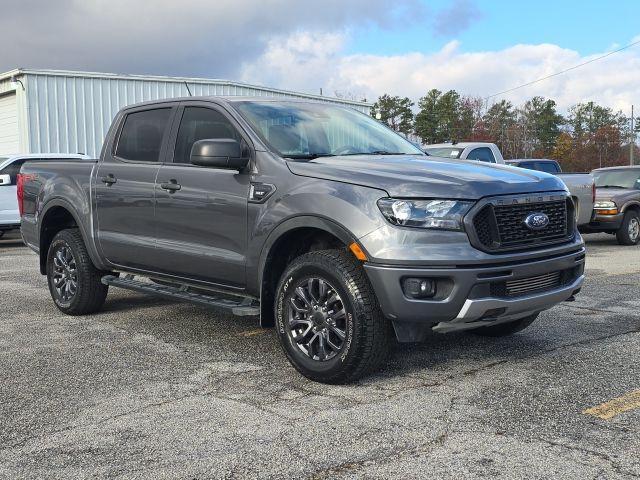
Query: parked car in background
x=327 y=224
x=480 y=151
x=9 y=168
x=617 y=205
x=581 y=185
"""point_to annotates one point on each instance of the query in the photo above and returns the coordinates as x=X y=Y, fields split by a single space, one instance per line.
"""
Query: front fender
x=346 y=211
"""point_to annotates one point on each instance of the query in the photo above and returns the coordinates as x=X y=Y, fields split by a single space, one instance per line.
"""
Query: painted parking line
x=610 y=409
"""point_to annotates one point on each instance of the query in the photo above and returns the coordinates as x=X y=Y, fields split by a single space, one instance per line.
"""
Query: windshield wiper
x=376 y=152
x=309 y=156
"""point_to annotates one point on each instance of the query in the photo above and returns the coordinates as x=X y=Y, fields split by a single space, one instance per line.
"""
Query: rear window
x=142 y=134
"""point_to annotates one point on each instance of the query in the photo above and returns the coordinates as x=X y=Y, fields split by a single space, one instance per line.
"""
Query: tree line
x=587 y=137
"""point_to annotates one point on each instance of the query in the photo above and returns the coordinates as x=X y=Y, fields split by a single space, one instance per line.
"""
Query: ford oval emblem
x=536 y=221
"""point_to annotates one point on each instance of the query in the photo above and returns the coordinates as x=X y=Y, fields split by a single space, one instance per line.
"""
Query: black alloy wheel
x=65 y=274
x=317 y=319
x=328 y=320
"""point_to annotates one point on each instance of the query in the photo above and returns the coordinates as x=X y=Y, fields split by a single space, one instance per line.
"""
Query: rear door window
x=483 y=154
x=142 y=135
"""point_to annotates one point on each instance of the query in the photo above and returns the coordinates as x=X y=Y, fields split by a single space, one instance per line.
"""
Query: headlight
x=606 y=205
x=439 y=214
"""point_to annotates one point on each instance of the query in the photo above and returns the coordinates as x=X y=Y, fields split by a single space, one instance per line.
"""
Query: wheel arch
x=287 y=241
x=631 y=205
x=57 y=215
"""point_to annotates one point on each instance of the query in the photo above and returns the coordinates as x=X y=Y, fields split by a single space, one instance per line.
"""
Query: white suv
x=9 y=169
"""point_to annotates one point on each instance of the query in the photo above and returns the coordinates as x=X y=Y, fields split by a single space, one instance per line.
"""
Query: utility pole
x=632 y=146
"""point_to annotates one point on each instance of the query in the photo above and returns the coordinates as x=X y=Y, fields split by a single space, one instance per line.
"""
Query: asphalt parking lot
x=155 y=389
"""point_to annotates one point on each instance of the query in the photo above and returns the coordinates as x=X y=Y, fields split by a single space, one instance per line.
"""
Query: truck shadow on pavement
x=11 y=239
x=185 y=325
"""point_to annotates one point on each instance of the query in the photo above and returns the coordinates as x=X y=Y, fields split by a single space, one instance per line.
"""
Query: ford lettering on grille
x=536 y=221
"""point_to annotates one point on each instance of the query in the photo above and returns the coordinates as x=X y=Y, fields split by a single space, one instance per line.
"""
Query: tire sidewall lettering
x=280 y=306
x=349 y=340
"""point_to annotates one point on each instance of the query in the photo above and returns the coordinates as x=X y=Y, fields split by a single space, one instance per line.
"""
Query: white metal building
x=54 y=111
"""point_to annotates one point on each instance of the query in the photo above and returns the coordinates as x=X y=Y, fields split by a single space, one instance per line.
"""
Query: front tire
x=629 y=232
x=505 y=329
x=74 y=282
x=328 y=320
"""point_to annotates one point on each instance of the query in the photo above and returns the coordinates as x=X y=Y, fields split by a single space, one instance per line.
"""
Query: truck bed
x=580 y=186
x=64 y=181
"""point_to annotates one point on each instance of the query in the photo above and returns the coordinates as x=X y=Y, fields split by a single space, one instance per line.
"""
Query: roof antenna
x=188 y=89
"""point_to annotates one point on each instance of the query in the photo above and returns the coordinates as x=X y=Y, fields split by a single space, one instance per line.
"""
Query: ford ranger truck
x=317 y=218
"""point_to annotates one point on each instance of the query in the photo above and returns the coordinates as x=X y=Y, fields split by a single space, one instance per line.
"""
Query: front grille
x=538 y=283
x=498 y=227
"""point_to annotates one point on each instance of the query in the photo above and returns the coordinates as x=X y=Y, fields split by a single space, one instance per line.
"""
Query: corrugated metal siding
x=72 y=113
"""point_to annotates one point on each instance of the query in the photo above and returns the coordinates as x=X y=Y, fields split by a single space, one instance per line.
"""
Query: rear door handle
x=171 y=186
x=109 y=179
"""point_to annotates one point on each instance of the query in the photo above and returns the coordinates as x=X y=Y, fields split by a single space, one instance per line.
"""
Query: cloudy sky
x=360 y=48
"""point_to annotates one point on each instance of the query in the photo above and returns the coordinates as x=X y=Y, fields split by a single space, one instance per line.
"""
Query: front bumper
x=603 y=223
x=466 y=297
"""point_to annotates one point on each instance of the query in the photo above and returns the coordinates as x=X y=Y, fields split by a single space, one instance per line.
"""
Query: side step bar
x=241 y=307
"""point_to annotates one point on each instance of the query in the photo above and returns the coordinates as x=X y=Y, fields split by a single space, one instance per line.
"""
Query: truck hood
x=423 y=176
x=618 y=195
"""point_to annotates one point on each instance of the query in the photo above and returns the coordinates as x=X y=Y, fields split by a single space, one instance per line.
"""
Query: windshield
x=446 y=152
x=623 y=178
x=311 y=130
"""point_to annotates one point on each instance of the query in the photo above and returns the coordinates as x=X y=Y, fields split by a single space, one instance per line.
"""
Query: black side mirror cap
x=218 y=153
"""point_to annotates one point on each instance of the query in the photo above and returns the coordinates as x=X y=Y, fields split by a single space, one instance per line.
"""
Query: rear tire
x=629 y=232
x=505 y=329
x=328 y=320
x=74 y=282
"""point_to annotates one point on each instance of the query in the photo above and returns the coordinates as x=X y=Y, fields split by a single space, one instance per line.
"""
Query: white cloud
x=304 y=61
x=307 y=61
x=168 y=37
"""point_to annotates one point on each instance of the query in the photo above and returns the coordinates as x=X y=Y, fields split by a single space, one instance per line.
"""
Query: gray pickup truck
x=315 y=217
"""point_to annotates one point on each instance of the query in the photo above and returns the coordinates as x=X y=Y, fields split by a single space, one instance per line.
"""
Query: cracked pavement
x=151 y=388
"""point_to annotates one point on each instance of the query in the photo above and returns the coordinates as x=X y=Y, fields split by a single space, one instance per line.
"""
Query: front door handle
x=171 y=186
x=109 y=179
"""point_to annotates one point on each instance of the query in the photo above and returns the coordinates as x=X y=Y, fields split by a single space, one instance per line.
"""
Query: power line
x=564 y=71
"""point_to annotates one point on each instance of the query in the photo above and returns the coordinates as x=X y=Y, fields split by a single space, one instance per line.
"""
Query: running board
x=242 y=307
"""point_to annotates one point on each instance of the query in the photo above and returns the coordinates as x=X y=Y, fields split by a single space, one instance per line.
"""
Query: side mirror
x=5 y=179
x=218 y=153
